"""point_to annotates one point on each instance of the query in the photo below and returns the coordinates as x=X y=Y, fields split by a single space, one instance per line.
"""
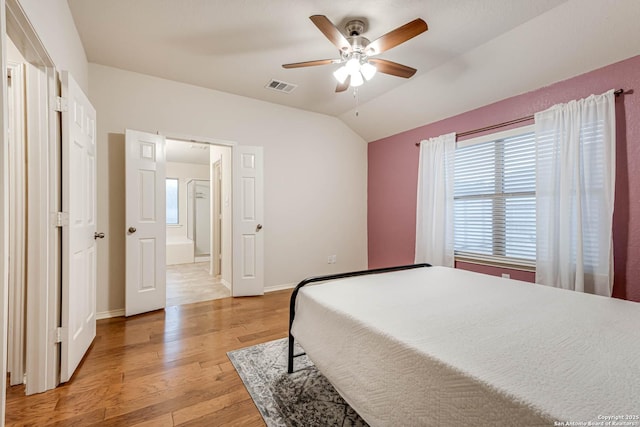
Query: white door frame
x=4 y=208
x=43 y=243
x=195 y=139
x=17 y=220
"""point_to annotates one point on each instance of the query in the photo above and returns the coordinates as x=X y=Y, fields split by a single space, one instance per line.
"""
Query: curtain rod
x=510 y=122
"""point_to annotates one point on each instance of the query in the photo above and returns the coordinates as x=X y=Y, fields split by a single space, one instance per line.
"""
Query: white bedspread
x=445 y=347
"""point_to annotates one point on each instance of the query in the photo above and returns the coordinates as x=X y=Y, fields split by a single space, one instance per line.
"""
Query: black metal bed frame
x=292 y=304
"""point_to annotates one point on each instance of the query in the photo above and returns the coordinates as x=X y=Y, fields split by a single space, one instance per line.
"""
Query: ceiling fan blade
x=310 y=63
x=397 y=36
x=331 y=32
x=343 y=86
x=393 y=68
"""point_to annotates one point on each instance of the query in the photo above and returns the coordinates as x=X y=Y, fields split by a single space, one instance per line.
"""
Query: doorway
x=34 y=289
x=197 y=263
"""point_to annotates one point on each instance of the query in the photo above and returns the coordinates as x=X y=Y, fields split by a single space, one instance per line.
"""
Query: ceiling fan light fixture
x=368 y=70
x=341 y=74
x=353 y=65
x=356 y=79
x=355 y=50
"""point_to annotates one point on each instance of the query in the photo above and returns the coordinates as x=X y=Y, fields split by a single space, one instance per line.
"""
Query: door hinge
x=60 y=219
x=59 y=334
x=61 y=104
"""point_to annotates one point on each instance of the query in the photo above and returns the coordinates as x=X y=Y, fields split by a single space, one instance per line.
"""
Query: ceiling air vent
x=281 y=86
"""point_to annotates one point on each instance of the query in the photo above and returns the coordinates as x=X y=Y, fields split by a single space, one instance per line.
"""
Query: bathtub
x=179 y=250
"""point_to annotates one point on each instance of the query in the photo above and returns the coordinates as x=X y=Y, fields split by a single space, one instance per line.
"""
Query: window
x=172 y=201
x=495 y=199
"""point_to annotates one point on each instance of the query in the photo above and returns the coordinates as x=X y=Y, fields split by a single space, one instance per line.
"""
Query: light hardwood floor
x=188 y=283
x=165 y=368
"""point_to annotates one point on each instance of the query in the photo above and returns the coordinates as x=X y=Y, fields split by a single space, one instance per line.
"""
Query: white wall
x=184 y=172
x=54 y=24
x=315 y=172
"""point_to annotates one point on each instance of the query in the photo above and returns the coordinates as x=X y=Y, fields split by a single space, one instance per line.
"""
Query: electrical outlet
x=331 y=259
x=506 y=275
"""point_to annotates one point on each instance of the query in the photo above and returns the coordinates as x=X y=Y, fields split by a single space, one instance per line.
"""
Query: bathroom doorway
x=198 y=190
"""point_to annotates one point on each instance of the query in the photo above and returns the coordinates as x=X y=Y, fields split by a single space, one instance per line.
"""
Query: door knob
x=132 y=230
x=258 y=227
x=98 y=236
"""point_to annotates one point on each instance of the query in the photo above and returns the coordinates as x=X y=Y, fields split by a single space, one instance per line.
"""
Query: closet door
x=79 y=235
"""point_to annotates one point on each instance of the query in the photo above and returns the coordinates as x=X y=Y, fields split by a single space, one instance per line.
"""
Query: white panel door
x=145 y=225
x=78 y=236
x=248 y=214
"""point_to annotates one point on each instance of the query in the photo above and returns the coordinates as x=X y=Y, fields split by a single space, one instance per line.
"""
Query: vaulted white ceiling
x=238 y=46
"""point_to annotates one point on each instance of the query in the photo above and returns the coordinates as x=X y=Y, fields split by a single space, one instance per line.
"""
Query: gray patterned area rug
x=304 y=398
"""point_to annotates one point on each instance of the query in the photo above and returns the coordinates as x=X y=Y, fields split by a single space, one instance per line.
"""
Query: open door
x=248 y=214
x=78 y=236
x=146 y=285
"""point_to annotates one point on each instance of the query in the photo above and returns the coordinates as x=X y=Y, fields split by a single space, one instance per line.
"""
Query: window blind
x=494 y=199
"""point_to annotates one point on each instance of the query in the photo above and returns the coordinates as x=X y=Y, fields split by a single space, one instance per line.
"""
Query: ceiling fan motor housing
x=355 y=27
x=358 y=43
x=354 y=30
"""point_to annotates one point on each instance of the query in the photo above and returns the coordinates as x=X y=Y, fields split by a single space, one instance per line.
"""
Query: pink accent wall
x=393 y=172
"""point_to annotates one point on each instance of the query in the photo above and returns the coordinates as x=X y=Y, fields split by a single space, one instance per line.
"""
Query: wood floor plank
x=239 y=414
x=83 y=419
x=165 y=420
x=211 y=406
x=128 y=412
x=163 y=368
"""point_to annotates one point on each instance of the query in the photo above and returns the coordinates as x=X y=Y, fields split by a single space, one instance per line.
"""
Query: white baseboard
x=109 y=314
x=279 y=287
x=226 y=284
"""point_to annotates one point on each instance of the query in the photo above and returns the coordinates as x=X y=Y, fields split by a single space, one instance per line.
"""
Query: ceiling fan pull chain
x=355 y=95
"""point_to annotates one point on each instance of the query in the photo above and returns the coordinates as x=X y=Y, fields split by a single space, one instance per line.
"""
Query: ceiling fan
x=356 y=51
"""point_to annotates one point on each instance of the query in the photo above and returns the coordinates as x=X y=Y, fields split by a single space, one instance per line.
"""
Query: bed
x=422 y=345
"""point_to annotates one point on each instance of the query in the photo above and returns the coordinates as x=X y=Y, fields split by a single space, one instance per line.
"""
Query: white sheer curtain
x=575 y=181
x=434 y=213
